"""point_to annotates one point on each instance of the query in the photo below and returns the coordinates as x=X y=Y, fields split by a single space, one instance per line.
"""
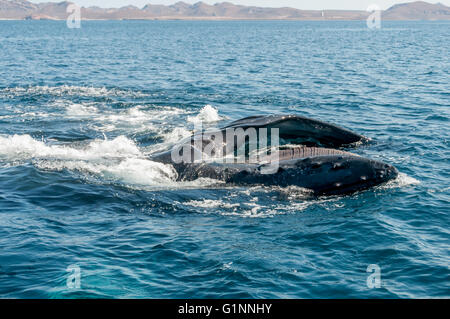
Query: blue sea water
x=82 y=109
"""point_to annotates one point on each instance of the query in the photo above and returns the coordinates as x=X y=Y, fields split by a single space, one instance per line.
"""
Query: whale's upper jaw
x=302 y=130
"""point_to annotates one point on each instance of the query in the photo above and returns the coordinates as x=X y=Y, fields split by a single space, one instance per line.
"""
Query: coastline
x=224 y=19
x=225 y=11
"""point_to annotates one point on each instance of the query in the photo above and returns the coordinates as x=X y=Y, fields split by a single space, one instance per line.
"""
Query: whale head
x=335 y=175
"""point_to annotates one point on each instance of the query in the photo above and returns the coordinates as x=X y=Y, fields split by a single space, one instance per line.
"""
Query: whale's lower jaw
x=323 y=175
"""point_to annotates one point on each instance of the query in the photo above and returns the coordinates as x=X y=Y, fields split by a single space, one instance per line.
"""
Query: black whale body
x=324 y=171
x=301 y=130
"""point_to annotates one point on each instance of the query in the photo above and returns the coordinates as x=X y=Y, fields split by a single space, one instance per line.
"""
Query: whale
x=312 y=155
x=302 y=130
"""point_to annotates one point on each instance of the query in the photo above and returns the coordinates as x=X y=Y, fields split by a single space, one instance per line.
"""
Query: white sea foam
x=69 y=90
x=81 y=110
x=176 y=135
x=142 y=114
x=118 y=159
x=139 y=119
x=132 y=171
x=211 y=203
x=402 y=180
x=23 y=147
x=136 y=119
x=208 y=114
x=254 y=212
x=249 y=209
x=202 y=182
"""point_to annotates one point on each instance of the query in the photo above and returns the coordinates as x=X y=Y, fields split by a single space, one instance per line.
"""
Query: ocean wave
x=136 y=119
x=112 y=160
x=246 y=209
x=208 y=114
x=118 y=160
x=69 y=90
x=24 y=147
x=211 y=203
x=176 y=135
x=81 y=110
x=130 y=171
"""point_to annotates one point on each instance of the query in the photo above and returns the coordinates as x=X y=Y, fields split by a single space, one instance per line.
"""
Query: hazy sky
x=301 y=4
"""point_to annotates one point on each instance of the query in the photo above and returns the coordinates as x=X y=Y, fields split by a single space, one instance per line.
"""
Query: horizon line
x=220 y=2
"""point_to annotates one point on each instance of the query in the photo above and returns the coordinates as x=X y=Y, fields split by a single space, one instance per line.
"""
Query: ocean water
x=81 y=110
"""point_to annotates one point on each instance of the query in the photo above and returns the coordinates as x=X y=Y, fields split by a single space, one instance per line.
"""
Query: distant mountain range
x=22 y=10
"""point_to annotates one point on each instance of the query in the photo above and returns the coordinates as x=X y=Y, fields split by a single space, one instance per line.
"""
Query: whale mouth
x=307 y=153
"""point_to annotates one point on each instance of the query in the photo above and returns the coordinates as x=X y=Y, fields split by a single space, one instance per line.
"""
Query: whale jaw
x=347 y=174
x=310 y=156
x=323 y=175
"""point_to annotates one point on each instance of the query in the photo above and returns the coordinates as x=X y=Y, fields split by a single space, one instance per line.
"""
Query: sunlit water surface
x=82 y=110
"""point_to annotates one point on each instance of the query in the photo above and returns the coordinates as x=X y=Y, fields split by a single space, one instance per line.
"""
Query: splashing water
x=207 y=115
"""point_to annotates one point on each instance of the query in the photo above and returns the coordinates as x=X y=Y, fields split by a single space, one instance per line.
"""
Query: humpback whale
x=302 y=130
x=311 y=155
